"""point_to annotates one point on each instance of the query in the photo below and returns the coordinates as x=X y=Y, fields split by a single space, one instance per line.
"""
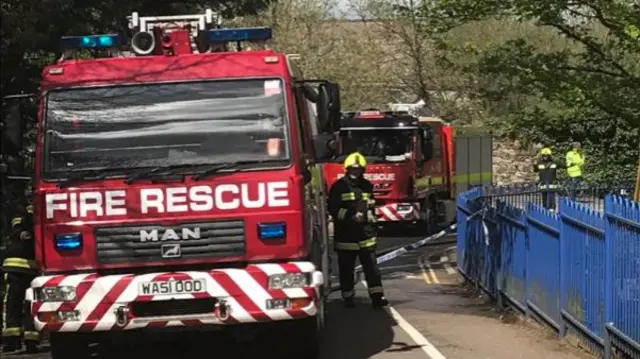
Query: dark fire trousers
x=347 y=263
x=17 y=314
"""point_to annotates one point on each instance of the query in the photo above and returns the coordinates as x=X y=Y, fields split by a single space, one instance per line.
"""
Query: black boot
x=379 y=301
x=348 y=303
x=32 y=346
x=11 y=344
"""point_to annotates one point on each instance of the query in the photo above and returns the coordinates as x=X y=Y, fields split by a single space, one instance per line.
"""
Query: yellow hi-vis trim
x=12 y=332
x=35 y=336
x=16 y=221
x=367 y=243
x=342 y=212
x=29 y=209
x=349 y=196
x=472 y=177
x=459 y=178
x=356 y=246
x=355 y=159
x=15 y=262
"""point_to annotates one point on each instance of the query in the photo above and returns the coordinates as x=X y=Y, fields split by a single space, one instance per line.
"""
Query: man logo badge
x=172 y=250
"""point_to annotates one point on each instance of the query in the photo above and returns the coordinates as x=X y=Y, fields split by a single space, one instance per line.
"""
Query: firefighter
x=546 y=169
x=19 y=269
x=351 y=205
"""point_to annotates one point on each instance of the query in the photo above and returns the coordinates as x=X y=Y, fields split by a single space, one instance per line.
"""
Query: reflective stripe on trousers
x=374 y=290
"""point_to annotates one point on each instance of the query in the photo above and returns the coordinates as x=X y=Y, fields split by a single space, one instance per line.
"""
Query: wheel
x=68 y=345
x=307 y=343
x=426 y=226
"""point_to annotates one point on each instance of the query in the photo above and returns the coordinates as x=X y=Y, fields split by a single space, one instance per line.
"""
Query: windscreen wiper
x=152 y=171
x=233 y=166
x=79 y=175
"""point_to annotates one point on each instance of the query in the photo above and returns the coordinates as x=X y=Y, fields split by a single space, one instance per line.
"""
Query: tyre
x=426 y=226
x=307 y=343
x=69 y=345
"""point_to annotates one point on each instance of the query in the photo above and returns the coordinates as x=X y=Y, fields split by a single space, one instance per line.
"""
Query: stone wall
x=513 y=162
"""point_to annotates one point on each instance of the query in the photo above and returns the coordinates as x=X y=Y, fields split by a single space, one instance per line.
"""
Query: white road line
x=426 y=346
x=446 y=266
x=449 y=269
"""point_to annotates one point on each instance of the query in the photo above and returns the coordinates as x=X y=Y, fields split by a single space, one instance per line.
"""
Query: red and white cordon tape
x=392 y=212
x=245 y=292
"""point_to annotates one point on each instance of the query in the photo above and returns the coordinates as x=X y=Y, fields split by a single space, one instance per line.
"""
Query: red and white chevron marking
x=390 y=212
x=245 y=291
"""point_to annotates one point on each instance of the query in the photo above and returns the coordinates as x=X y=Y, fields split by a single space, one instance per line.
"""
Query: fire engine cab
x=176 y=185
x=409 y=164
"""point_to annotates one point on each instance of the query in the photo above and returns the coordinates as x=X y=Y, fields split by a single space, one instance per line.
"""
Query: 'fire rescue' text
x=169 y=200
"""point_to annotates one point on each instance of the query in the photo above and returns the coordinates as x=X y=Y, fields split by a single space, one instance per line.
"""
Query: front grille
x=124 y=244
x=164 y=308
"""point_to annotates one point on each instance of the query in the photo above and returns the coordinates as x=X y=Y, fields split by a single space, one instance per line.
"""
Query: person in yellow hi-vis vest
x=575 y=166
x=351 y=204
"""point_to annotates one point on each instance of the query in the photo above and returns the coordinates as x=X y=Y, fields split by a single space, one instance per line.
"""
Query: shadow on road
x=358 y=333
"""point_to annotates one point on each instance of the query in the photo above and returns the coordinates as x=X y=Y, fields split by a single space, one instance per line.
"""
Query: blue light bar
x=90 y=41
x=272 y=230
x=240 y=34
x=68 y=242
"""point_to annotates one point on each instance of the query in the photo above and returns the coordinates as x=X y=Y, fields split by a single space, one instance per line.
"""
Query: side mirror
x=322 y=146
x=334 y=96
x=322 y=109
x=306 y=175
x=12 y=129
x=335 y=112
x=427 y=144
x=427 y=150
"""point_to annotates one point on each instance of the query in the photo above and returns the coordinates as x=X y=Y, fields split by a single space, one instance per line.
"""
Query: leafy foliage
x=587 y=90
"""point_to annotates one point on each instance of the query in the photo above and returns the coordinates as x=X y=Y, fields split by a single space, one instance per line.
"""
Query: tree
x=329 y=48
x=594 y=83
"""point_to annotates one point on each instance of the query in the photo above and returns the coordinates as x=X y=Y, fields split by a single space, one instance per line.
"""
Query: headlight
x=56 y=294
x=289 y=280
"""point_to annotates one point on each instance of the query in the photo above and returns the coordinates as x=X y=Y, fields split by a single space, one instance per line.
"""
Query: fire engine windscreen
x=120 y=128
x=378 y=145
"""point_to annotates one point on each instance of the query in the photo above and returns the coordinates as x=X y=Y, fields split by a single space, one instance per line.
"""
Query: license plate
x=172 y=287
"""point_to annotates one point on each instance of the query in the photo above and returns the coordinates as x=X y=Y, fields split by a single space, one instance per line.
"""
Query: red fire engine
x=411 y=164
x=177 y=185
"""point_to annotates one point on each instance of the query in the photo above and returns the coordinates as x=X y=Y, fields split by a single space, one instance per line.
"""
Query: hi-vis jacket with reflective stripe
x=547 y=172
x=345 y=200
x=20 y=253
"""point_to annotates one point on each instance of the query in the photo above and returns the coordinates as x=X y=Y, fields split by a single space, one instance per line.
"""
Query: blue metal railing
x=577 y=269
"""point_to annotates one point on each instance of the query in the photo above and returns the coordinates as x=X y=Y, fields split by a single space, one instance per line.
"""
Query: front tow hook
x=223 y=309
x=122 y=316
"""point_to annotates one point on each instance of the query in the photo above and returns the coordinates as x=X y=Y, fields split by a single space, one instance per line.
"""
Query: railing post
x=609 y=235
x=527 y=275
x=563 y=283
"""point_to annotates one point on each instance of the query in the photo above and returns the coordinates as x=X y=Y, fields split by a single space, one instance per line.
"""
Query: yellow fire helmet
x=355 y=160
x=545 y=151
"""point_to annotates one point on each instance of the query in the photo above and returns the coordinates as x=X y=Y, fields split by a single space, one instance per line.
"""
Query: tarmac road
x=431 y=316
x=351 y=334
